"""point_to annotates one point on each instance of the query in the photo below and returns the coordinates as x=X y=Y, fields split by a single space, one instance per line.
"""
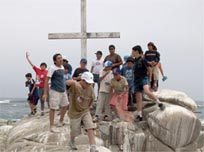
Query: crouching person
x=81 y=98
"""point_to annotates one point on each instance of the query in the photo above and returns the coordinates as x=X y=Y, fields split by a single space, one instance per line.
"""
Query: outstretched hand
x=27 y=54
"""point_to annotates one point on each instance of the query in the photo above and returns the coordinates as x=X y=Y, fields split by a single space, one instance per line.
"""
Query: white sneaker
x=93 y=149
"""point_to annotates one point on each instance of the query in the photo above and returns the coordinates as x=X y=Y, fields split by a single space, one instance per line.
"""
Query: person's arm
x=29 y=61
x=119 y=62
x=102 y=77
x=31 y=93
x=46 y=88
x=161 y=69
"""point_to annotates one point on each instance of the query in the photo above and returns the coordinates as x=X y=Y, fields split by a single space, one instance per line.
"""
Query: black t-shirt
x=140 y=68
x=79 y=71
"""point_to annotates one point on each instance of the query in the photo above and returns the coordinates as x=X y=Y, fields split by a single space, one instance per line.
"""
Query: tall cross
x=84 y=35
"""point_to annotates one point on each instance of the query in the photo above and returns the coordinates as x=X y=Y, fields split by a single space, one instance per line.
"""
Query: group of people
x=120 y=85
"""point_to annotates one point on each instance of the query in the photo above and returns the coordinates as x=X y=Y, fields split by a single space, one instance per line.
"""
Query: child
x=141 y=82
x=127 y=72
x=104 y=93
x=119 y=99
x=81 y=99
x=33 y=93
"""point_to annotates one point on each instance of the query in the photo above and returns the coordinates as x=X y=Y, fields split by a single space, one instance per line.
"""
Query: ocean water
x=16 y=109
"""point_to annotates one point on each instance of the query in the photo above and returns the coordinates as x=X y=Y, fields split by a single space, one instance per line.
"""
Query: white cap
x=88 y=77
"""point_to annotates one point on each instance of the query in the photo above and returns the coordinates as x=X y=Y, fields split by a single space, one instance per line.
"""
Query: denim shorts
x=140 y=83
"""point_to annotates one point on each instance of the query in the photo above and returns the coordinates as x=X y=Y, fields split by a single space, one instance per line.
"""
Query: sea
x=16 y=109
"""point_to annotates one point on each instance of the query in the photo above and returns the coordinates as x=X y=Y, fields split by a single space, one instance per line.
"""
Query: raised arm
x=29 y=61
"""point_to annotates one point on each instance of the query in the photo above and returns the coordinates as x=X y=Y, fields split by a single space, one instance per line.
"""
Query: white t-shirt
x=105 y=84
x=97 y=66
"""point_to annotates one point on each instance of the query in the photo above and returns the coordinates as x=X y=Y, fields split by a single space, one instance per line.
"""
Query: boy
x=57 y=92
x=127 y=72
x=81 y=99
x=104 y=93
x=141 y=82
x=97 y=66
x=41 y=74
x=78 y=72
x=33 y=93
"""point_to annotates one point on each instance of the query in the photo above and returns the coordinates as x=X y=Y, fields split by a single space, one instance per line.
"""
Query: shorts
x=96 y=78
x=76 y=124
x=33 y=99
x=155 y=72
x=140 y=83
x=40 y=92
x=57 y=99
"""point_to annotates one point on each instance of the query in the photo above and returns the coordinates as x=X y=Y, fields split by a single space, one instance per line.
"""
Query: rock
x=177 y=98
x=4 y=130
x=200 y=140
x=175 y=126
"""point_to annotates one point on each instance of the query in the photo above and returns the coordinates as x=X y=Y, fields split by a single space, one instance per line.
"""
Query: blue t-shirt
x=128 y=74
x=57 y=78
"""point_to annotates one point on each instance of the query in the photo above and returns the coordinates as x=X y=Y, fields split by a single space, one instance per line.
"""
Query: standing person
x=128 y=73
x=119 y=96
x=81 y=99
x=152 y=57
x=78 y=72
x=57 y=92
x=41 y=74
x=67 y=74
x=66 y=62
x=104 y=93
x=141 y=82
x=33 y=93
x=97 y=66
x=113 y=57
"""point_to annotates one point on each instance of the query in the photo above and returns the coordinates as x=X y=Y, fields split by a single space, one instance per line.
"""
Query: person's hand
x=27 y=55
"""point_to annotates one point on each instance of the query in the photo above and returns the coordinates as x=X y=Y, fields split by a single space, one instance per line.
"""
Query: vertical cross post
x=83 y=30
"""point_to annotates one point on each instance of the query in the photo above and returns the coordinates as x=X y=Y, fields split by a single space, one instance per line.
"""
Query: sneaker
x=161 y=106
x=93 y=149
x=138 y=118
x=72 y=145
x=95 y=119
x=53 y=130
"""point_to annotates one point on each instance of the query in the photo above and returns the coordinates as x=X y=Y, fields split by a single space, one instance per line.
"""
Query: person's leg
x=107 y=107
x=153 y=97
x=99 y=107
x=91 y=137
x=63 y=107
x=42 y=102
x=52 y=116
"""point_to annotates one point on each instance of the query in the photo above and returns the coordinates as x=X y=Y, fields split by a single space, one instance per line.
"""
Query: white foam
x=5 y=101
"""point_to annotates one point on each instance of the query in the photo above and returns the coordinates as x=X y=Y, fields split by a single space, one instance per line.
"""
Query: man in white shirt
x=97 y=66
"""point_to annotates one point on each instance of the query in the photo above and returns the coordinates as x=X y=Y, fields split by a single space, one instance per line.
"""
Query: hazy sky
x=176 y=27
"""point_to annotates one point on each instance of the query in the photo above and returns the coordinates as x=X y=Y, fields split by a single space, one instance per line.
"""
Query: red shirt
x=41 y=74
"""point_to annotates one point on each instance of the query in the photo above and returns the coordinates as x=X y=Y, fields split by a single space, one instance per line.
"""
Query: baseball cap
x=108 y=64
x=88 y=77
x=99 y=52
x=130 y=59
x=83 y=60
x=116 y=71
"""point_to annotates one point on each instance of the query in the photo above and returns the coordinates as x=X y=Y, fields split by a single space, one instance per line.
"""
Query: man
x=113 y=57
x=141 y=82
x=57 y=92
x=66 y=62
x=79 y=71
x=81 y=99
x=41 y=74
x=97 y=66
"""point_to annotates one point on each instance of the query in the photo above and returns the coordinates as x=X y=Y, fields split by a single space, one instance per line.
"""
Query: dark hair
x=55 y=56
x=153 y=46
x=28 y=75
x=138 y=48
x=130 y=59
x=43 y=64
x=111 y=46
x=66 y=66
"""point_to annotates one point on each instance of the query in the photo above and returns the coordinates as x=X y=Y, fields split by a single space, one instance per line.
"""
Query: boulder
x=175 y=126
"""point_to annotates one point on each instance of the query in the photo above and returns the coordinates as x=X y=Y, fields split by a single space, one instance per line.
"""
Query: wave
x=5 y=101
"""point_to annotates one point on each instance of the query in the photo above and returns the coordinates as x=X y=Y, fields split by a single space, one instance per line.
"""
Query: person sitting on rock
x=119 y=93
x=141 y=82
x=81 y=99
x=104 y=93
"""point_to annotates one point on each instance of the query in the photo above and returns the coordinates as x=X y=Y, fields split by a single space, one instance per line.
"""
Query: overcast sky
x=175 y=26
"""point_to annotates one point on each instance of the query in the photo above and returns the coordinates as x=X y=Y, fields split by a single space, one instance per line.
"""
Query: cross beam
x=84 y=35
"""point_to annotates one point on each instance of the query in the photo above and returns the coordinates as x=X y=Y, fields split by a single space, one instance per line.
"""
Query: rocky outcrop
x=176 y=129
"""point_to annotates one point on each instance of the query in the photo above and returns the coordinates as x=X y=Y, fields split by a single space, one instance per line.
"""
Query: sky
x=175 y=26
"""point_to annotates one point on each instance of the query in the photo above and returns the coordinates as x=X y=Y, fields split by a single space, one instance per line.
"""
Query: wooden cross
x=84 y=35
